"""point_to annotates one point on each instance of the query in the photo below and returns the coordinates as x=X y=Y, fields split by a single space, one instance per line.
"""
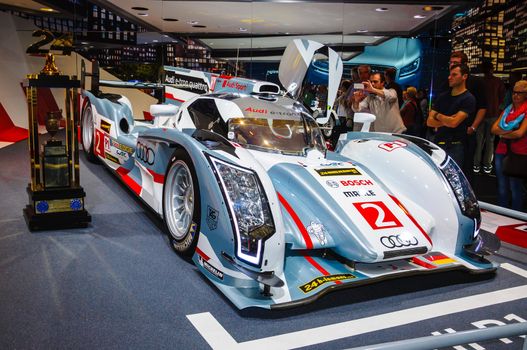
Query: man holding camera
x=382 y=102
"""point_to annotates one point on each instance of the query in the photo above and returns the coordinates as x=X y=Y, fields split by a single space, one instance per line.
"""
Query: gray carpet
x=118 y=284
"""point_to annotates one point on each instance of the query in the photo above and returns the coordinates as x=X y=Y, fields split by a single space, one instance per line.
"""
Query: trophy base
x=56 y=209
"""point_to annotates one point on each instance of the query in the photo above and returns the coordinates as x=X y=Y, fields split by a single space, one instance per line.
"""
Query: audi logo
x=145 y=153
x=395 y=241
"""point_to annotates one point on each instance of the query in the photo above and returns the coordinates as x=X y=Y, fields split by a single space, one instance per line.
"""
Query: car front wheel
x=87 y=132
x=181 y=204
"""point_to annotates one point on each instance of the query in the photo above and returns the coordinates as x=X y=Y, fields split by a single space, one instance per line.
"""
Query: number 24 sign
x=377 y=215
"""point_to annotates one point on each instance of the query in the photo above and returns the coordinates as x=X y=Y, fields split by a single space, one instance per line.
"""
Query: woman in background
x=512 y=126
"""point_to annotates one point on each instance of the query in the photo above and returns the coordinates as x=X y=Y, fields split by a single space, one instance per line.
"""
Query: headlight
x=249 y=209
x=464 y=194
x=410 y=68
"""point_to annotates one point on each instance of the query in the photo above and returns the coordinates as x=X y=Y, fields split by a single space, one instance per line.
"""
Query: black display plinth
x=56 y=209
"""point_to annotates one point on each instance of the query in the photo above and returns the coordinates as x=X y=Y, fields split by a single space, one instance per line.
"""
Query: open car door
x=303 y=56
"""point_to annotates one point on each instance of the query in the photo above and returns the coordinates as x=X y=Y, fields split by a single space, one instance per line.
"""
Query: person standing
x=474 y=85
x=389 y=76
x=411 y=113
x=364 y=72
x=511 y=127
x=452 y=113
x=494 y=92
x=380 y=101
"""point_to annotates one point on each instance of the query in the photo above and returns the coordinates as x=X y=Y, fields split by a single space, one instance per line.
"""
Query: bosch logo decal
x=356 y=182
x=395 y=241
x=145 y=154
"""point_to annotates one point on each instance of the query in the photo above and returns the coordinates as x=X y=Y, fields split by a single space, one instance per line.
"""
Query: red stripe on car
x=410 y=216
x=203 y=255
x=172 y=97
x=134 y=186
x=158 y=178
x=422 y=263
x=296 y=219
x=319 y=268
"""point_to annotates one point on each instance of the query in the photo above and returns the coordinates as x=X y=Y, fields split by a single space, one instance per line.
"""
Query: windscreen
x=286 y=136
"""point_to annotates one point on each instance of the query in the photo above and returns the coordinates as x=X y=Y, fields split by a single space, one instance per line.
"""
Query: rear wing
x=96 y=83
x=182 y=84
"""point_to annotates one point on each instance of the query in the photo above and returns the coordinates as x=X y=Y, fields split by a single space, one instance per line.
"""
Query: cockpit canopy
x=279 y=126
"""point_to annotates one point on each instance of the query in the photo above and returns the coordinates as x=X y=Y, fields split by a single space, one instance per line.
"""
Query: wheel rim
x=87 y=129
x=179 y=200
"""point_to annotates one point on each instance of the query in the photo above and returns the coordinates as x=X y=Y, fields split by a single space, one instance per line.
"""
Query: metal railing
x=503 y=211
x=445 y=340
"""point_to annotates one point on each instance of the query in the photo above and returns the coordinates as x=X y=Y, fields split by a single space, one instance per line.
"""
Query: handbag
x=514 y=165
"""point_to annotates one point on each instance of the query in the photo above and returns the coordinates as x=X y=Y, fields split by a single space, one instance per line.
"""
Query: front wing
x=307 y=277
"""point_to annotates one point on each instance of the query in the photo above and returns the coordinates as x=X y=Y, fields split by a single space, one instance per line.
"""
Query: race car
x=247 y=189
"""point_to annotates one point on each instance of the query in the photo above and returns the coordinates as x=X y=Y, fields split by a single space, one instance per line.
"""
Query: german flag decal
x=439 y=259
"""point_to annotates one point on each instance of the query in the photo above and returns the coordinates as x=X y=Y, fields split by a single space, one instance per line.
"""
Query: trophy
x=56 y=199
x=54 y=155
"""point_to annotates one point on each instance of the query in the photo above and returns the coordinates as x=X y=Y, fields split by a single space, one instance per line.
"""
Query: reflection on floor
x=507 y=229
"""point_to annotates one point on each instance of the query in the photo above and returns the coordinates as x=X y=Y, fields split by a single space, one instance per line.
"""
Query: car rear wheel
x=181 y=204
x=87 y=131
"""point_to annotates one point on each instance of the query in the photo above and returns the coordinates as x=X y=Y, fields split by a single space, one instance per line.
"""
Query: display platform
x=118 y=284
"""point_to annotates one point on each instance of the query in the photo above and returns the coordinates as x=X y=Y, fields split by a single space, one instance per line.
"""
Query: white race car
x=241 y=176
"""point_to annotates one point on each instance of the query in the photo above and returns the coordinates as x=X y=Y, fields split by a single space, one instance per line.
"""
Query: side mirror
x=366 y=119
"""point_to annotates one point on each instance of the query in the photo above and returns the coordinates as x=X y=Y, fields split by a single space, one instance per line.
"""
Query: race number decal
x=377 y=215
x=100 y=141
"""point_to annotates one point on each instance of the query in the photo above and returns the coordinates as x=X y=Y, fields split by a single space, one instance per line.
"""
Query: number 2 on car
x=377 y=215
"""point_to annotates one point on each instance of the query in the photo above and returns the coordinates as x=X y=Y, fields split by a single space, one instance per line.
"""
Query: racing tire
x=88 y=132
x=181 y=204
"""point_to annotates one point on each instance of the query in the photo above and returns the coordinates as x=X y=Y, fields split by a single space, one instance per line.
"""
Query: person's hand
x=367 y=86
x=358 y=96
x=471 y=130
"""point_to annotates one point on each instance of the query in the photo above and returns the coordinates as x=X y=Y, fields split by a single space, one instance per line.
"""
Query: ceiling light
x=155 y=41
x=170 y=19
x=419 y=16
x=252 y=20
x=47 y=9
x=192 y=22
x=381 y=9
x=362 y=31
x=199 y=26
x=138 y=8
x=243 y=29
x=84 y=42
x=378 y=37
x=432 y=8
x=143 y=14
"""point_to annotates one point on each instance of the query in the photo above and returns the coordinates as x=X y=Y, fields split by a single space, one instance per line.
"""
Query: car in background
x=403 y=54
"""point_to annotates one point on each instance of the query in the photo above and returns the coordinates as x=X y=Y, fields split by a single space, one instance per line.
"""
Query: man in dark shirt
x=476 y=87
x=389 y=77
x=451 y=114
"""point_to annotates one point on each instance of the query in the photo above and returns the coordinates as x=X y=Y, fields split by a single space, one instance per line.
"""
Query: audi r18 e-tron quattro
x=239 y=172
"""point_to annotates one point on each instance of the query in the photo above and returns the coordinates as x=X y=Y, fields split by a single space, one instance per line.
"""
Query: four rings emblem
x=145 y=153
x=395 y=241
